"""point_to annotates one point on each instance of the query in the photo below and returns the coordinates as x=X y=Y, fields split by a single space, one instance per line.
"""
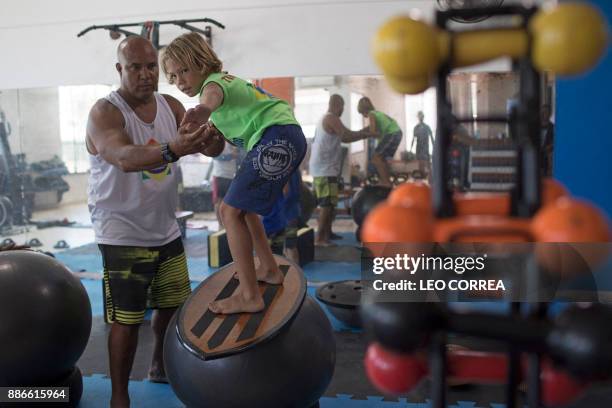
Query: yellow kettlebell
x=408 y=52
x=568 y=39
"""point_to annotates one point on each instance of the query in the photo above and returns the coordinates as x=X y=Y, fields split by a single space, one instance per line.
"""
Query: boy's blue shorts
x=266 y=169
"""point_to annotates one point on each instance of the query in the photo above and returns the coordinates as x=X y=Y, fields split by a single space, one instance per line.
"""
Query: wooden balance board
x=210 y=335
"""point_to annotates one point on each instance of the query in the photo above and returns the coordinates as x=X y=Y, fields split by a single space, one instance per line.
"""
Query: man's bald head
x=133 y=44
x=138 y=67
x=336 y=104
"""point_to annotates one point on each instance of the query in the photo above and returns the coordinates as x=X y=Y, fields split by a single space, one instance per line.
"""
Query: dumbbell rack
x=523 y=123
x=525 y=189
x=499 y=218
x=438 y=359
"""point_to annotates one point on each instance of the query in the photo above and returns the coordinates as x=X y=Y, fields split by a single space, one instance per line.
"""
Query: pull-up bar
x=150 y=29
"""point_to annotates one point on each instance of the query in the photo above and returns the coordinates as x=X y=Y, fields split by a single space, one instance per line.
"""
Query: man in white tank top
x=325 y=161
x=134 y=143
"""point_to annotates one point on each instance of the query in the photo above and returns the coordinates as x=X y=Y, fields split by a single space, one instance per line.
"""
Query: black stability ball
x=581 y=341
x=366 y=199
x=308 y=203
x=290 y=370
x=45 y=318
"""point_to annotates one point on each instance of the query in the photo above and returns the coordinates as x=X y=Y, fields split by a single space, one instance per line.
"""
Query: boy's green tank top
x=247 y=110
x=384 y=124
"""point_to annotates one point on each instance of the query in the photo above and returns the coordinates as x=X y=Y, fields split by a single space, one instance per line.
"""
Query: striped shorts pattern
x=137 y=278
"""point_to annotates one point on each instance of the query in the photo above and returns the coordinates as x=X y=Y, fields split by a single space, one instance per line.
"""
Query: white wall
x=263 y=38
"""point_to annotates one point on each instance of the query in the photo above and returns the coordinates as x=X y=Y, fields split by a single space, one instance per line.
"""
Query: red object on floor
x=396 y=373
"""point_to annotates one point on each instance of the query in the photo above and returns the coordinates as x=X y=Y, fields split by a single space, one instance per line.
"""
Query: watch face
x=166 y=154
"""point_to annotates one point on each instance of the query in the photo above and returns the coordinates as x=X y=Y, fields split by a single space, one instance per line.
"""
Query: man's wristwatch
x=168 y=155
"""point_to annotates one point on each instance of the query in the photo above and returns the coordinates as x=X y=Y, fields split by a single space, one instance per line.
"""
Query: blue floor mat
x=348 y=238
x=97 y=393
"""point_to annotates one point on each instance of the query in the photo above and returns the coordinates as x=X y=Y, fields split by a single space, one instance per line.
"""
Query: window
x=310 y=106
x=74 y=105
x=426 y=103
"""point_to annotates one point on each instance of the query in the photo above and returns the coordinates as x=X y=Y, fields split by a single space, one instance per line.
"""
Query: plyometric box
x=219 y=253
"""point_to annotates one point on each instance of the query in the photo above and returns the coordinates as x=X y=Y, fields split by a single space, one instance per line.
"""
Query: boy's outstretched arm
x=210 y=100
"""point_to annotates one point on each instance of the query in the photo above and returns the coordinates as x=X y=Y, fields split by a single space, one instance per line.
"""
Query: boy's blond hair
x=364 y=105
x=193 y=52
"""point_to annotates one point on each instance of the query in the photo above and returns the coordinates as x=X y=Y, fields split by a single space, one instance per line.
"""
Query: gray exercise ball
x=291 y=370
x=45 y=318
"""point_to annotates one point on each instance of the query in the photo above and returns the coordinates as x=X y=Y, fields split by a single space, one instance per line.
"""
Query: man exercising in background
x=325 y=160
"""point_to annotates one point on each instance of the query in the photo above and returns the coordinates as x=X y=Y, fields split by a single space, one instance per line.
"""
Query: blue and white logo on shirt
x=274 y=159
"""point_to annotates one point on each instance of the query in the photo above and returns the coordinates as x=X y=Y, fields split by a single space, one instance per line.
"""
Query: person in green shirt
x=390 y=136
x=265 y=126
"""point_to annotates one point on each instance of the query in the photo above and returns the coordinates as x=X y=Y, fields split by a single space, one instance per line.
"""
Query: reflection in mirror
x=42 y=183
x=44 y=163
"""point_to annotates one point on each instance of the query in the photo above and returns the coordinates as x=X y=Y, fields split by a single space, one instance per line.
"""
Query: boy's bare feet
x=237 y=303
x=270 y=276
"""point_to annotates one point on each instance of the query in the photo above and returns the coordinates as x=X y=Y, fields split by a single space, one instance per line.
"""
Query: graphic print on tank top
x=159 y=173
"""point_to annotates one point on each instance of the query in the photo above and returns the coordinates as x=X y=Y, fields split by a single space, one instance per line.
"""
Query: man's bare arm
x=332 y=124
x=107 y=137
